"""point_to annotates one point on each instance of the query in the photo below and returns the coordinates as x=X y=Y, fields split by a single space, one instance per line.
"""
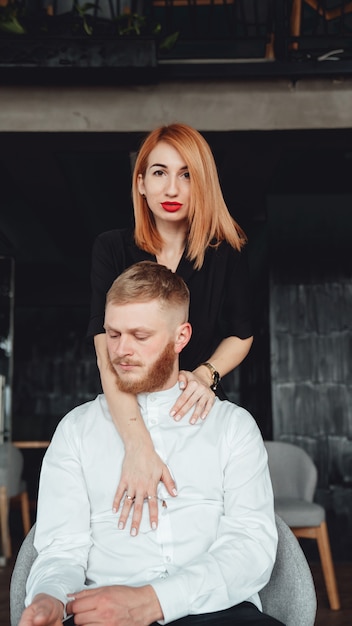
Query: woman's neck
x=174 y=241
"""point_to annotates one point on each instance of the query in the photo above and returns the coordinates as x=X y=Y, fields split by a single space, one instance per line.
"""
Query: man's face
x=142 y=346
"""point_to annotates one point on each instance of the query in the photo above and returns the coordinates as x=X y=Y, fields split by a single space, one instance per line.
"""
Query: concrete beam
x=209 y=105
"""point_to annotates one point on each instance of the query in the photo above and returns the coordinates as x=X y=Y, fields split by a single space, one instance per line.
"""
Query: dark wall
x=311 y=343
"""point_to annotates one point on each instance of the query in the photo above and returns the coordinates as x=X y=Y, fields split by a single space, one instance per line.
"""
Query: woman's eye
x=158 y=173
x=186 y=175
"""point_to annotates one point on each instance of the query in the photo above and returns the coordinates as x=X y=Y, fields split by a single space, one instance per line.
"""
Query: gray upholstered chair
x=289 y=596
x=11 y=486
x=294 y=479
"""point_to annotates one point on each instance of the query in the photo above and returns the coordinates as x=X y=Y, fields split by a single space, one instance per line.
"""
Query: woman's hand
x=196 y=393
x=142 y=470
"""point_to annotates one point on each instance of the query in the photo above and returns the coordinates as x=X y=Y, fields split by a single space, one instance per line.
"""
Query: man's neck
x=168 y=385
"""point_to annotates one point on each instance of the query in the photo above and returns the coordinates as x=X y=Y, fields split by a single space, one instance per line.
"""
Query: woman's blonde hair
x=209 y=220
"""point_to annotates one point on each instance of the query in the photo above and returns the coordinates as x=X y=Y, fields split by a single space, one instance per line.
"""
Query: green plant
x=82 y=12
x=9 y=18
x=134 y=24
x=16 y=20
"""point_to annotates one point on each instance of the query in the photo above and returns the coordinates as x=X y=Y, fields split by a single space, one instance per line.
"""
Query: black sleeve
x=107 y=264
x=237 y=314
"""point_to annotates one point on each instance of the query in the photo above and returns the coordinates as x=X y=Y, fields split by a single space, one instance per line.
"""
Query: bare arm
x=228 y=355
x=142 y=468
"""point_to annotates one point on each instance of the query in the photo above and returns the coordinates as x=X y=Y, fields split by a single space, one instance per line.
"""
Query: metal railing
x=291 y=33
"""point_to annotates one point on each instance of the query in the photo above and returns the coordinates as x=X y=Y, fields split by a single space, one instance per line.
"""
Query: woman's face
x=166 y=184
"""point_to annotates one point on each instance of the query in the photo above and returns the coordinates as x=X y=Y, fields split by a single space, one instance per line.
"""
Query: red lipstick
x=171 y=207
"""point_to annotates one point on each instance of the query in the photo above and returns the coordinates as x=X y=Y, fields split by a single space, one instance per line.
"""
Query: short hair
x=209 y=220
x=148 y=280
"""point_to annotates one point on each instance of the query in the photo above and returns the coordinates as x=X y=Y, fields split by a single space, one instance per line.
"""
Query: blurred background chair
x=294 y=478
x=289 y=595
x=11 y=486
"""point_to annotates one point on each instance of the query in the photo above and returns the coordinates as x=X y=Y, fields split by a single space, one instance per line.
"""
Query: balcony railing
x=233 y=37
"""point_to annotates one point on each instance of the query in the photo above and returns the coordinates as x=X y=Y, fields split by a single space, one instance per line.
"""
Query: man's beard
x=156 y=377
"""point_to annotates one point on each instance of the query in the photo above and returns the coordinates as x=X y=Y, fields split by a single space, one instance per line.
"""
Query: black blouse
x=220 y=291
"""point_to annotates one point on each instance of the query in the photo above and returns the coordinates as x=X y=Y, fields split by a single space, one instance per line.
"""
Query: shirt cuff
x=172 y=597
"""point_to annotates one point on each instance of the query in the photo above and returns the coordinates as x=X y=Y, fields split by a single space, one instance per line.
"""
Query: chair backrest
x=293 y=473
x=289 y=595
x=25 y=558
x=11 y=465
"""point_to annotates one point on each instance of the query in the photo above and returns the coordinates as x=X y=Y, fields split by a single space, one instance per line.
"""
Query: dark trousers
x=241 y=614
x=244 y=613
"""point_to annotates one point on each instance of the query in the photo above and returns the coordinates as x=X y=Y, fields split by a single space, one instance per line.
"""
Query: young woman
x=181 y=221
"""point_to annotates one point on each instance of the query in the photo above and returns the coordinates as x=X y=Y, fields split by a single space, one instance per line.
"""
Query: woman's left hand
x=196 y=393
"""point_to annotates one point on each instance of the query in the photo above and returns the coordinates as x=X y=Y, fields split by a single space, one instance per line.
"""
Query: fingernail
x=154 y=525
x=192 y=420
x=177 y=418
x=172 y=413
x=133 y=532
x=114 y=510
x=121 y=526
x=181 y=384
x=203 y=416
x=174 y=491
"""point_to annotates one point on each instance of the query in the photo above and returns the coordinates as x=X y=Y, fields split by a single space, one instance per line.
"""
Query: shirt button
x=153 y=420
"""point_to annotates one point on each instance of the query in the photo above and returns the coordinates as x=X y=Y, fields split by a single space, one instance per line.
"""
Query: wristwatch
x=215 y=375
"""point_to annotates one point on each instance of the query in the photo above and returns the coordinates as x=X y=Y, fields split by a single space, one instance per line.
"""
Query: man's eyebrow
x=136 y=329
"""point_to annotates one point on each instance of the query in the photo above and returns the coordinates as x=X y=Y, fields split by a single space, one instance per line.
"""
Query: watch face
x=216 y=380
x=215 y=375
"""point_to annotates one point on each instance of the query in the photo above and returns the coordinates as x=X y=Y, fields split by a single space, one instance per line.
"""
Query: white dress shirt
x=216 y=541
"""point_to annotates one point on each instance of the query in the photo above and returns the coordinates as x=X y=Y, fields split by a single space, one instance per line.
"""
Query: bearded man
x=213 y=546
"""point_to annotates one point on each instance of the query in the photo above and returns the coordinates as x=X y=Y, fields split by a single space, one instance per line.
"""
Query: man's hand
x=44 y=611
x=117 y=605
x=196 y=393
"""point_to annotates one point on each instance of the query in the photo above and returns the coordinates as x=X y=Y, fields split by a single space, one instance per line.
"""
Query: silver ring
x=151 y=497
x=129 y=497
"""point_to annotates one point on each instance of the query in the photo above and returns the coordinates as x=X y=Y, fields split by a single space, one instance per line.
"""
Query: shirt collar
x=165 y=397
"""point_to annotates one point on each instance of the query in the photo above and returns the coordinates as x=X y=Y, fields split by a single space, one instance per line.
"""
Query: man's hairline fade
x=146 y=281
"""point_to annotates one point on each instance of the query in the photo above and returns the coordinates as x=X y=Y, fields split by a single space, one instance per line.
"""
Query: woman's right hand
x=142 y=470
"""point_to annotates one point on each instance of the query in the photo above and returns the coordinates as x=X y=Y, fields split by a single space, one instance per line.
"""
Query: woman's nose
x=172 y=186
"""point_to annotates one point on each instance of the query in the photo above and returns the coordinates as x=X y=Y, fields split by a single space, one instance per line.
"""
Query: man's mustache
x=125 y=361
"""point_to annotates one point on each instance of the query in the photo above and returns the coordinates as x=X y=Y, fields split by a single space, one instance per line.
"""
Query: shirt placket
x=164 y=530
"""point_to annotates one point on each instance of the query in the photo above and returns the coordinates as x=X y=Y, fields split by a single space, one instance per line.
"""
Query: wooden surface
x=31 y=444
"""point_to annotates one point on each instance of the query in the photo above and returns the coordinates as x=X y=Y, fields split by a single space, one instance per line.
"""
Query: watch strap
x=215 y=375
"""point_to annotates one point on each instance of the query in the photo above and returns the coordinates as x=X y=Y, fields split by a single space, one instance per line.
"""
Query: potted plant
x=78 y=38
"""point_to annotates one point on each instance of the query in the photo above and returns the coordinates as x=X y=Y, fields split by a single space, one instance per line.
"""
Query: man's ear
x=183 y=335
